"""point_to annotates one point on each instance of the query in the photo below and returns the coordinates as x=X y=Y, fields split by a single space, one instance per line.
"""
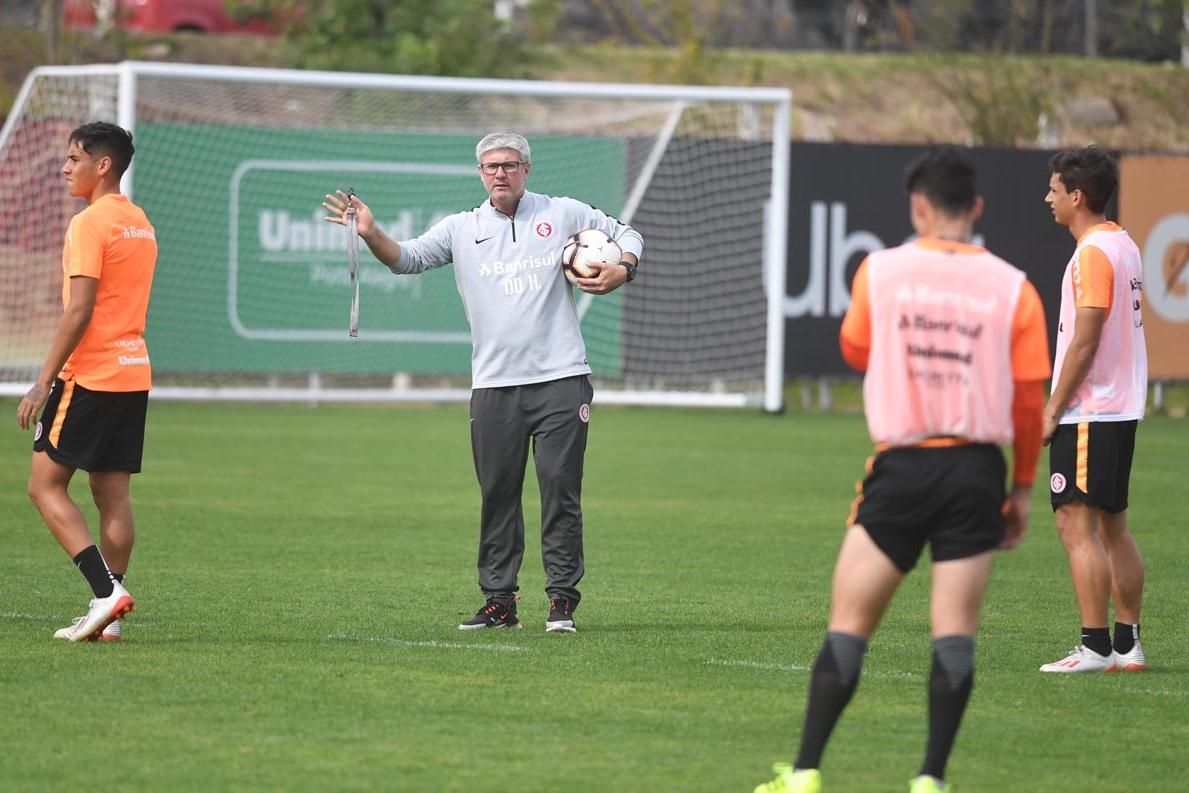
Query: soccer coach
x=529 y=373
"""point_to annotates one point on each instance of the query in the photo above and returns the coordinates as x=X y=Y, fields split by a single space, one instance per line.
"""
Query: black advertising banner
x=848 y=200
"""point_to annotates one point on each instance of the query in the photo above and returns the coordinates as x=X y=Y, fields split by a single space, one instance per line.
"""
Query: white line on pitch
x=759 y=665
x=501 y=648
x=16 y=615
x=799 y=668
x=1159 y=692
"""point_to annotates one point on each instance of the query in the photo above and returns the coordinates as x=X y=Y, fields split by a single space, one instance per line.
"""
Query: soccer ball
x=587 y=252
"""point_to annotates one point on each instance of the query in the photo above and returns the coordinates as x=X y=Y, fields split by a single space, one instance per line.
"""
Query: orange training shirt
x=112 y=241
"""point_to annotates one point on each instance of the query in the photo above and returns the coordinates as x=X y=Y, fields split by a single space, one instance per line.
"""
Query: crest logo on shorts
x=1057 y=483
x=584 y=413
x=37 y=432
x=544 y=230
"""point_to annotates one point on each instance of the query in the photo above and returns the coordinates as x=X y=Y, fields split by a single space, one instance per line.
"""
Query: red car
x=162 y=16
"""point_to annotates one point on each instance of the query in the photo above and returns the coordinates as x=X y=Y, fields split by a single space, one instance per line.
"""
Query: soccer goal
x=252 y=289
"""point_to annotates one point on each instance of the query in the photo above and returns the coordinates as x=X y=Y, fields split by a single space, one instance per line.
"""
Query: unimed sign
x=251 y=278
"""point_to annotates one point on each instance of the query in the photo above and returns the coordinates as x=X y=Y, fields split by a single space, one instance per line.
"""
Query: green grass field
x=300 y=573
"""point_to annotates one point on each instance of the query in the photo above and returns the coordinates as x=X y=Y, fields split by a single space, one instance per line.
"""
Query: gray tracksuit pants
x=554 y=417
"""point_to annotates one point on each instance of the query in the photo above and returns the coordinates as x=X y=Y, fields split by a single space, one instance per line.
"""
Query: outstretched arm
x=380 y=244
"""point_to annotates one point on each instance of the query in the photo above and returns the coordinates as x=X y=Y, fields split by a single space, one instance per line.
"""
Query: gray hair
x=504 y=140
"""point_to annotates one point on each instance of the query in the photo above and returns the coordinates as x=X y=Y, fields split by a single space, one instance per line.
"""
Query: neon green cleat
x=807 y=780
x=927 y=784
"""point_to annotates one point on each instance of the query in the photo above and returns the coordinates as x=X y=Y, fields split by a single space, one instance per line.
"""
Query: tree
x=690 y=28
x=51 y=23
x=460 y=38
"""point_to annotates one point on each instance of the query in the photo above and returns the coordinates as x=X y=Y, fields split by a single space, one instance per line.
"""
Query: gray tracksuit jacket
x=524 y=321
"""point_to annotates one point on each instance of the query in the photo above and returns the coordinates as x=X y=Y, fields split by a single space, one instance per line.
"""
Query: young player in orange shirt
x=95 y=381
x=954 y=346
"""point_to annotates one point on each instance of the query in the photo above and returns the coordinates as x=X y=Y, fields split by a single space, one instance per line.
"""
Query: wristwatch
x=631 y=268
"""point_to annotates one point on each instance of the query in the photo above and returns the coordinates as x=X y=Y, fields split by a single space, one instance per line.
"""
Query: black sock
x=831 y=684
x=90 y=563
x=118 y=577
x=1126 y=637
x=1097 y=639
x=950 y=683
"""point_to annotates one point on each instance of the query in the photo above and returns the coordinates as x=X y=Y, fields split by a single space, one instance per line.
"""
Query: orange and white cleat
x=97 y=623
x=112 y=633
x=1132 y=661
x=1082 y=659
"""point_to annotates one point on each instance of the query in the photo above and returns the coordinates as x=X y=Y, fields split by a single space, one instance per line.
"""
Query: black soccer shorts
x=950 y=498
x=93 y=430
x=1091 y=462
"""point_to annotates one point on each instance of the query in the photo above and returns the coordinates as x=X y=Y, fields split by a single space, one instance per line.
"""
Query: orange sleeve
x=1030 y=368
x=1027 y=409
x=855 y=336
x=86 y=246
x=1093 y=279
x=1029 y=337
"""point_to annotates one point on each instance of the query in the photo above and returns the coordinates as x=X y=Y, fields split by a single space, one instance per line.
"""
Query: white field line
x=774 y=667
x=16 y=615
x=1157 y=692
x=432 y=643
x=759 y=665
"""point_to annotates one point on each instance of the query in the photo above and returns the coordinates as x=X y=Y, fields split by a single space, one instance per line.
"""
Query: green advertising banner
x=252 y=279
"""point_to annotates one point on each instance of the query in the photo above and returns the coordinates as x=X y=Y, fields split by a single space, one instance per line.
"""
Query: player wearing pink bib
x=1100 y=386
x=955 y=349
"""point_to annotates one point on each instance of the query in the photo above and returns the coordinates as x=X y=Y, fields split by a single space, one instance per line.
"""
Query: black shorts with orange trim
x=1091 y=462
x=949 y=497
x=93 y=430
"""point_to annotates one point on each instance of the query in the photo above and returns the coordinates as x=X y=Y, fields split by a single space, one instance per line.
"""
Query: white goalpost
x=252 y=290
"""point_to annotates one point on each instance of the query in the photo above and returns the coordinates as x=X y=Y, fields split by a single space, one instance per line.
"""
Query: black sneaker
x=561 y=617
x=494 y=615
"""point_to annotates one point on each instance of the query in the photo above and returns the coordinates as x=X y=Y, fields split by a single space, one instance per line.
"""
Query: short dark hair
x=100 y=138
x=1091 y=170
x=945 y=176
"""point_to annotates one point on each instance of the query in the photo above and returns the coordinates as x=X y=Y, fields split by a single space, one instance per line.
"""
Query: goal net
x=252 y=289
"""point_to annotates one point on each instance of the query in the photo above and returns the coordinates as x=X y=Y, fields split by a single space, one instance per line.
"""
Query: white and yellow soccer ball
x=586 y=252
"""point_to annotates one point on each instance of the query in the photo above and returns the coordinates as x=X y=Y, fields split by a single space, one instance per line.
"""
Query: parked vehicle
x=162 y=16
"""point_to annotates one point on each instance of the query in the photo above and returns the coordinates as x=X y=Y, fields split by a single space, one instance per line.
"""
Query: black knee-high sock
x=90 y=563
x=831 y=685
x=950 y=683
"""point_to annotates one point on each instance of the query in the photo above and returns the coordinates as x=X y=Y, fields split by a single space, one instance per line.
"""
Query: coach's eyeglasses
x=491 y=168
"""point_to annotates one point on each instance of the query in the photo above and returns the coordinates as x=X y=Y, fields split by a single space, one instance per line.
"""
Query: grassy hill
x=886 y=98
